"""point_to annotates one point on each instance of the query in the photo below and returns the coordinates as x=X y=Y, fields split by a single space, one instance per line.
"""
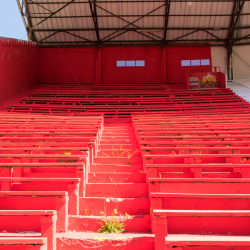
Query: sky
x=11 y=23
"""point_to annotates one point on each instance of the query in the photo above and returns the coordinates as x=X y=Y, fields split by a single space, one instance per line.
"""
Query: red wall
x=150 y=73
x=18 y=66
x=67 y=65
x=174 y=55
x=90 y=65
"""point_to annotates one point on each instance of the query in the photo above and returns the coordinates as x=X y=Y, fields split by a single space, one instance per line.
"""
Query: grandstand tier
x=170 y=166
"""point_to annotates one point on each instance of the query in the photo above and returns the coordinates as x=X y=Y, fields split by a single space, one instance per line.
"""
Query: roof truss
x=136 y=22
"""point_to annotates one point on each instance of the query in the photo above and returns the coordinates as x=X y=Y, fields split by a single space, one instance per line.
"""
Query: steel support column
x=238 y=6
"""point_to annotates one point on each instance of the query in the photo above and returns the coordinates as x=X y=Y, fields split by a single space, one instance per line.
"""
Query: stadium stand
x=187 y=164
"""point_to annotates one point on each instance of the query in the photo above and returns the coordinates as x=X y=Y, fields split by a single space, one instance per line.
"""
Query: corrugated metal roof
x=120 y=22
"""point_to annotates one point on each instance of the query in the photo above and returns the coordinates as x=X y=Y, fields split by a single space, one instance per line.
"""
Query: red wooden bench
x=225 y=222
x=43 y=221
x=38 y=200
x=23 y=243
x=70 y=185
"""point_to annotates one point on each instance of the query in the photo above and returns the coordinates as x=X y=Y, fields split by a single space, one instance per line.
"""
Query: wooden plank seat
x=241 y=127
x=63 y=146
x=227 y=222
x=52 y=159
x=34 y=98
x=186 y=125
x=84 y=151
x=214 y=149
x=173 y=221
x=230 y=144
x=197 y=132
x=43 y=221
x=127 y=114
x=160 y=100
x=38 y=118
x=197 y=170
x=193 y=137
x=240 y=103
x=194 y=201
x=200 y=185
x=45 y=88
x=172 y=123
x=69 y=185
x=23 y=243
x=45 y=141
x=47 y=170
x=141 y=118
x=38 y=200
x=126 y=108
x=207 y=242
x=174 y=161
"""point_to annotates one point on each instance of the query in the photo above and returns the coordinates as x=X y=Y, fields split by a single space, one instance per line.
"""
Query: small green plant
x=112 y=224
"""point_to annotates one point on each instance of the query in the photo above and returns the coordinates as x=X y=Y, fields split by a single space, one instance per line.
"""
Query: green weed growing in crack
x=112 y=224
x=118 y=153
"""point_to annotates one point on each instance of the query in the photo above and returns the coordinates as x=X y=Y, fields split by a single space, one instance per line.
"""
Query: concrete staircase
x=116 y=181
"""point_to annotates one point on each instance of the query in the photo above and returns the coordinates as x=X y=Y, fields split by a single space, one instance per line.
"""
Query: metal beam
x=238 y=6
x=52 y=14
x=112 y=14
x=141 y=1
x=31 y=35
x=22 y=14
x=167 y=9
x=142 y=41
x=140 y=29
x=117 y=30
x=42 y=7
x=92 y=6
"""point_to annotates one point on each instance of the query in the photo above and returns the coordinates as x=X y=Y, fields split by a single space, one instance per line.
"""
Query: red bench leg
x=62 y=213
x=73 y=191
x=48 y=230
x=160 y=233
x=81 y=173
x=6 y=185
x=156 y=203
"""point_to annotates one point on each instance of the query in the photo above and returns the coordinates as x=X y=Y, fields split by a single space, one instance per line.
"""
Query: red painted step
x=118 y=160
x=117 y=190
x=135 y=223
x=118 y=146
x=85 y=240
x=116 y=168
x=131 y=206
x=117 y=177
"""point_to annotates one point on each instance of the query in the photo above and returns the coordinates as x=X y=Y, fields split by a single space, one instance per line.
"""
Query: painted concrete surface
x=241 y=87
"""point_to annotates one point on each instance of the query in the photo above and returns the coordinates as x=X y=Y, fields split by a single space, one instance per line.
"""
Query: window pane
x=185 y=62
x=195 y=62
x=205 y=62
x=130 y=63
x=140 y=63
x=120 y=63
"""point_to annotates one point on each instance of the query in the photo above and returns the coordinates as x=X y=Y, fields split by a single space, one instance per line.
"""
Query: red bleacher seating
x=193 y=162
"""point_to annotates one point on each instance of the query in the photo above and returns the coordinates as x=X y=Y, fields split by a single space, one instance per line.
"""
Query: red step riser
x=132 y=206
x=117 y=242
x=133 y=190
x=112 y=168
x=117 y=178
x=92 y=224
x=119 y=160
